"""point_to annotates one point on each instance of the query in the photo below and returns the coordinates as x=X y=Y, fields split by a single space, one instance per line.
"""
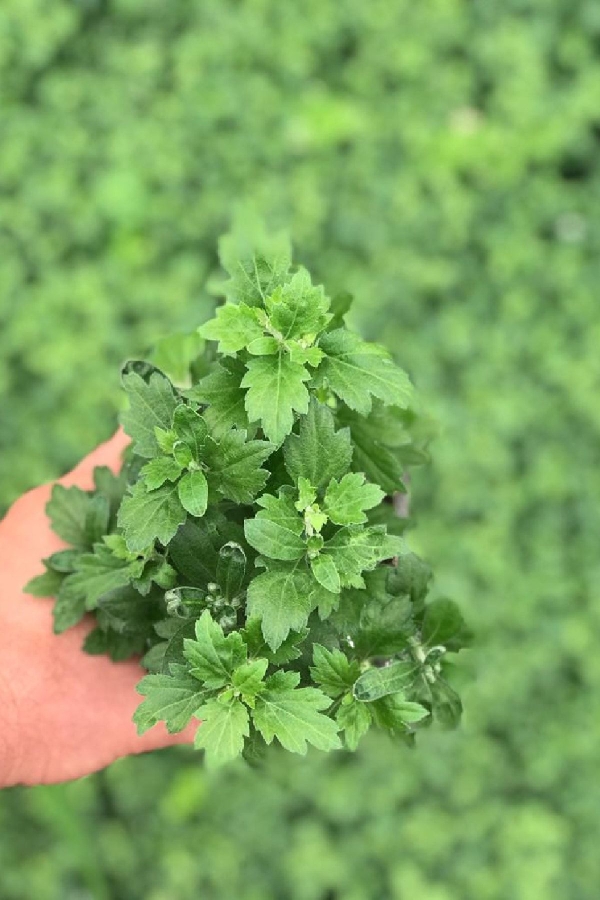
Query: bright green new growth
x=249 y=548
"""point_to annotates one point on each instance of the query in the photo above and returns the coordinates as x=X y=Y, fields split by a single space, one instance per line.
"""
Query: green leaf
x=411 y=576
x=146 y=516
x=175 y=354
x=63 y=561
x=194 y=551
x=396 y=715
x=235 y=465
x=248 y=678
x=333 y=671
x=346 y=500
x=354 y=719
x=284 y=596
x=446 y=705
x=324 y=570
x=294 y=715
x=231 y=569
x=378 y=623
x=45 y=585
x=276 y=531
x=377 y=443
x=222 y=390
x=224 y=726
x=234 y=327
x=193 y=492
x=190 y=428
x=355 y=549
x=287 y=651
x=378 y=682
x=100 y=572
x=67 y=510
x=298 y=308
x=96 y=519
x=174 y=698
x=69 y=608
x=275 y=389
x=356 y=371
x=443 y=624
x=318 y=452
x=151 y=405
x=159 y=470
x=212 y=656
x=257 y=266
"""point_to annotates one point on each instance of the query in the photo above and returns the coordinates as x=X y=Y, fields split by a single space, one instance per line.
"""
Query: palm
x=69 y=713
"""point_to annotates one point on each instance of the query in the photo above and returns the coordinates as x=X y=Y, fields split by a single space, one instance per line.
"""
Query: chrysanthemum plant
x=250 y=549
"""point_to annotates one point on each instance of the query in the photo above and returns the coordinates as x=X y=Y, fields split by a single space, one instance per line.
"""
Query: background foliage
x=441 y=161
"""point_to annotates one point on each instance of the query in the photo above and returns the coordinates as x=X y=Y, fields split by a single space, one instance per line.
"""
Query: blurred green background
x=441 y=161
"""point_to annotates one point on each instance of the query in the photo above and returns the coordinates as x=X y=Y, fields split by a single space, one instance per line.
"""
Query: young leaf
x=224 y=726
x=346 y=500
x=234 y=327
x=354 y=550
x=235 y=465
x=212 y=657
x=298 y=308
x=222 y=390
x=159 y=470
x=193 y=492
x=248 y=678
x=324 y=569
x=318 y=452
x=173 y=699
x=275 y=389
x=146 y=516
x=190 y=428
x=356 y=371
x=276 y=531
x=151 y=405
x=333 y=671
x=294 y=715
x=67 y=510
x=257 y=267
x=284 y=596
x=354 y=719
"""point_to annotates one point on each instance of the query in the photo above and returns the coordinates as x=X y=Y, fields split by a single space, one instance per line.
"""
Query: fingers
x=107 y=454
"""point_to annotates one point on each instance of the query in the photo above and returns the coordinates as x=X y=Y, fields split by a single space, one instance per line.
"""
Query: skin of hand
x=65 y=714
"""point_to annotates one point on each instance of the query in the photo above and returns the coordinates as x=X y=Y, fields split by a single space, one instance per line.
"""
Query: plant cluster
x=248 y=547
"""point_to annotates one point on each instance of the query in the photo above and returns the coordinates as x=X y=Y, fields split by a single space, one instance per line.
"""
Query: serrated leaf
x=175 y=354
x=377 y=445
x=354 y=719
x=193 y=493
x=222 y=390
x=379 y=682
x=396 y=715
x=276 y=530
x=378 y=623
x=100 y=572
x=222 y=732
x=257 y=266
x=235 y=465
x=234 y=327
x=324 y=569
x=333 y=671
x=159 y=470
x=248 y=678
x=45 y=585
x=354 y=550
x=69 y=608
x=346 y=500
x=151 y=405
x=67 y=510
x=118 y=647
x=294 y=715
x=357 y=371
x=195 y=548
x=190 y=428
x=446 y=704
x=96 y=519
x=298 y=308
x=257 y=646
x=318 y=452
x=63 y=561
x=212 y=657
x=411 y=576
x=443 y=624
x=284 y=596
x=172 y=698
x=146 y=516
x=276 y=387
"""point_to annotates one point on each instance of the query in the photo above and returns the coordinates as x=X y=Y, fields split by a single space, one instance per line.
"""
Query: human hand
x=64 y=713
